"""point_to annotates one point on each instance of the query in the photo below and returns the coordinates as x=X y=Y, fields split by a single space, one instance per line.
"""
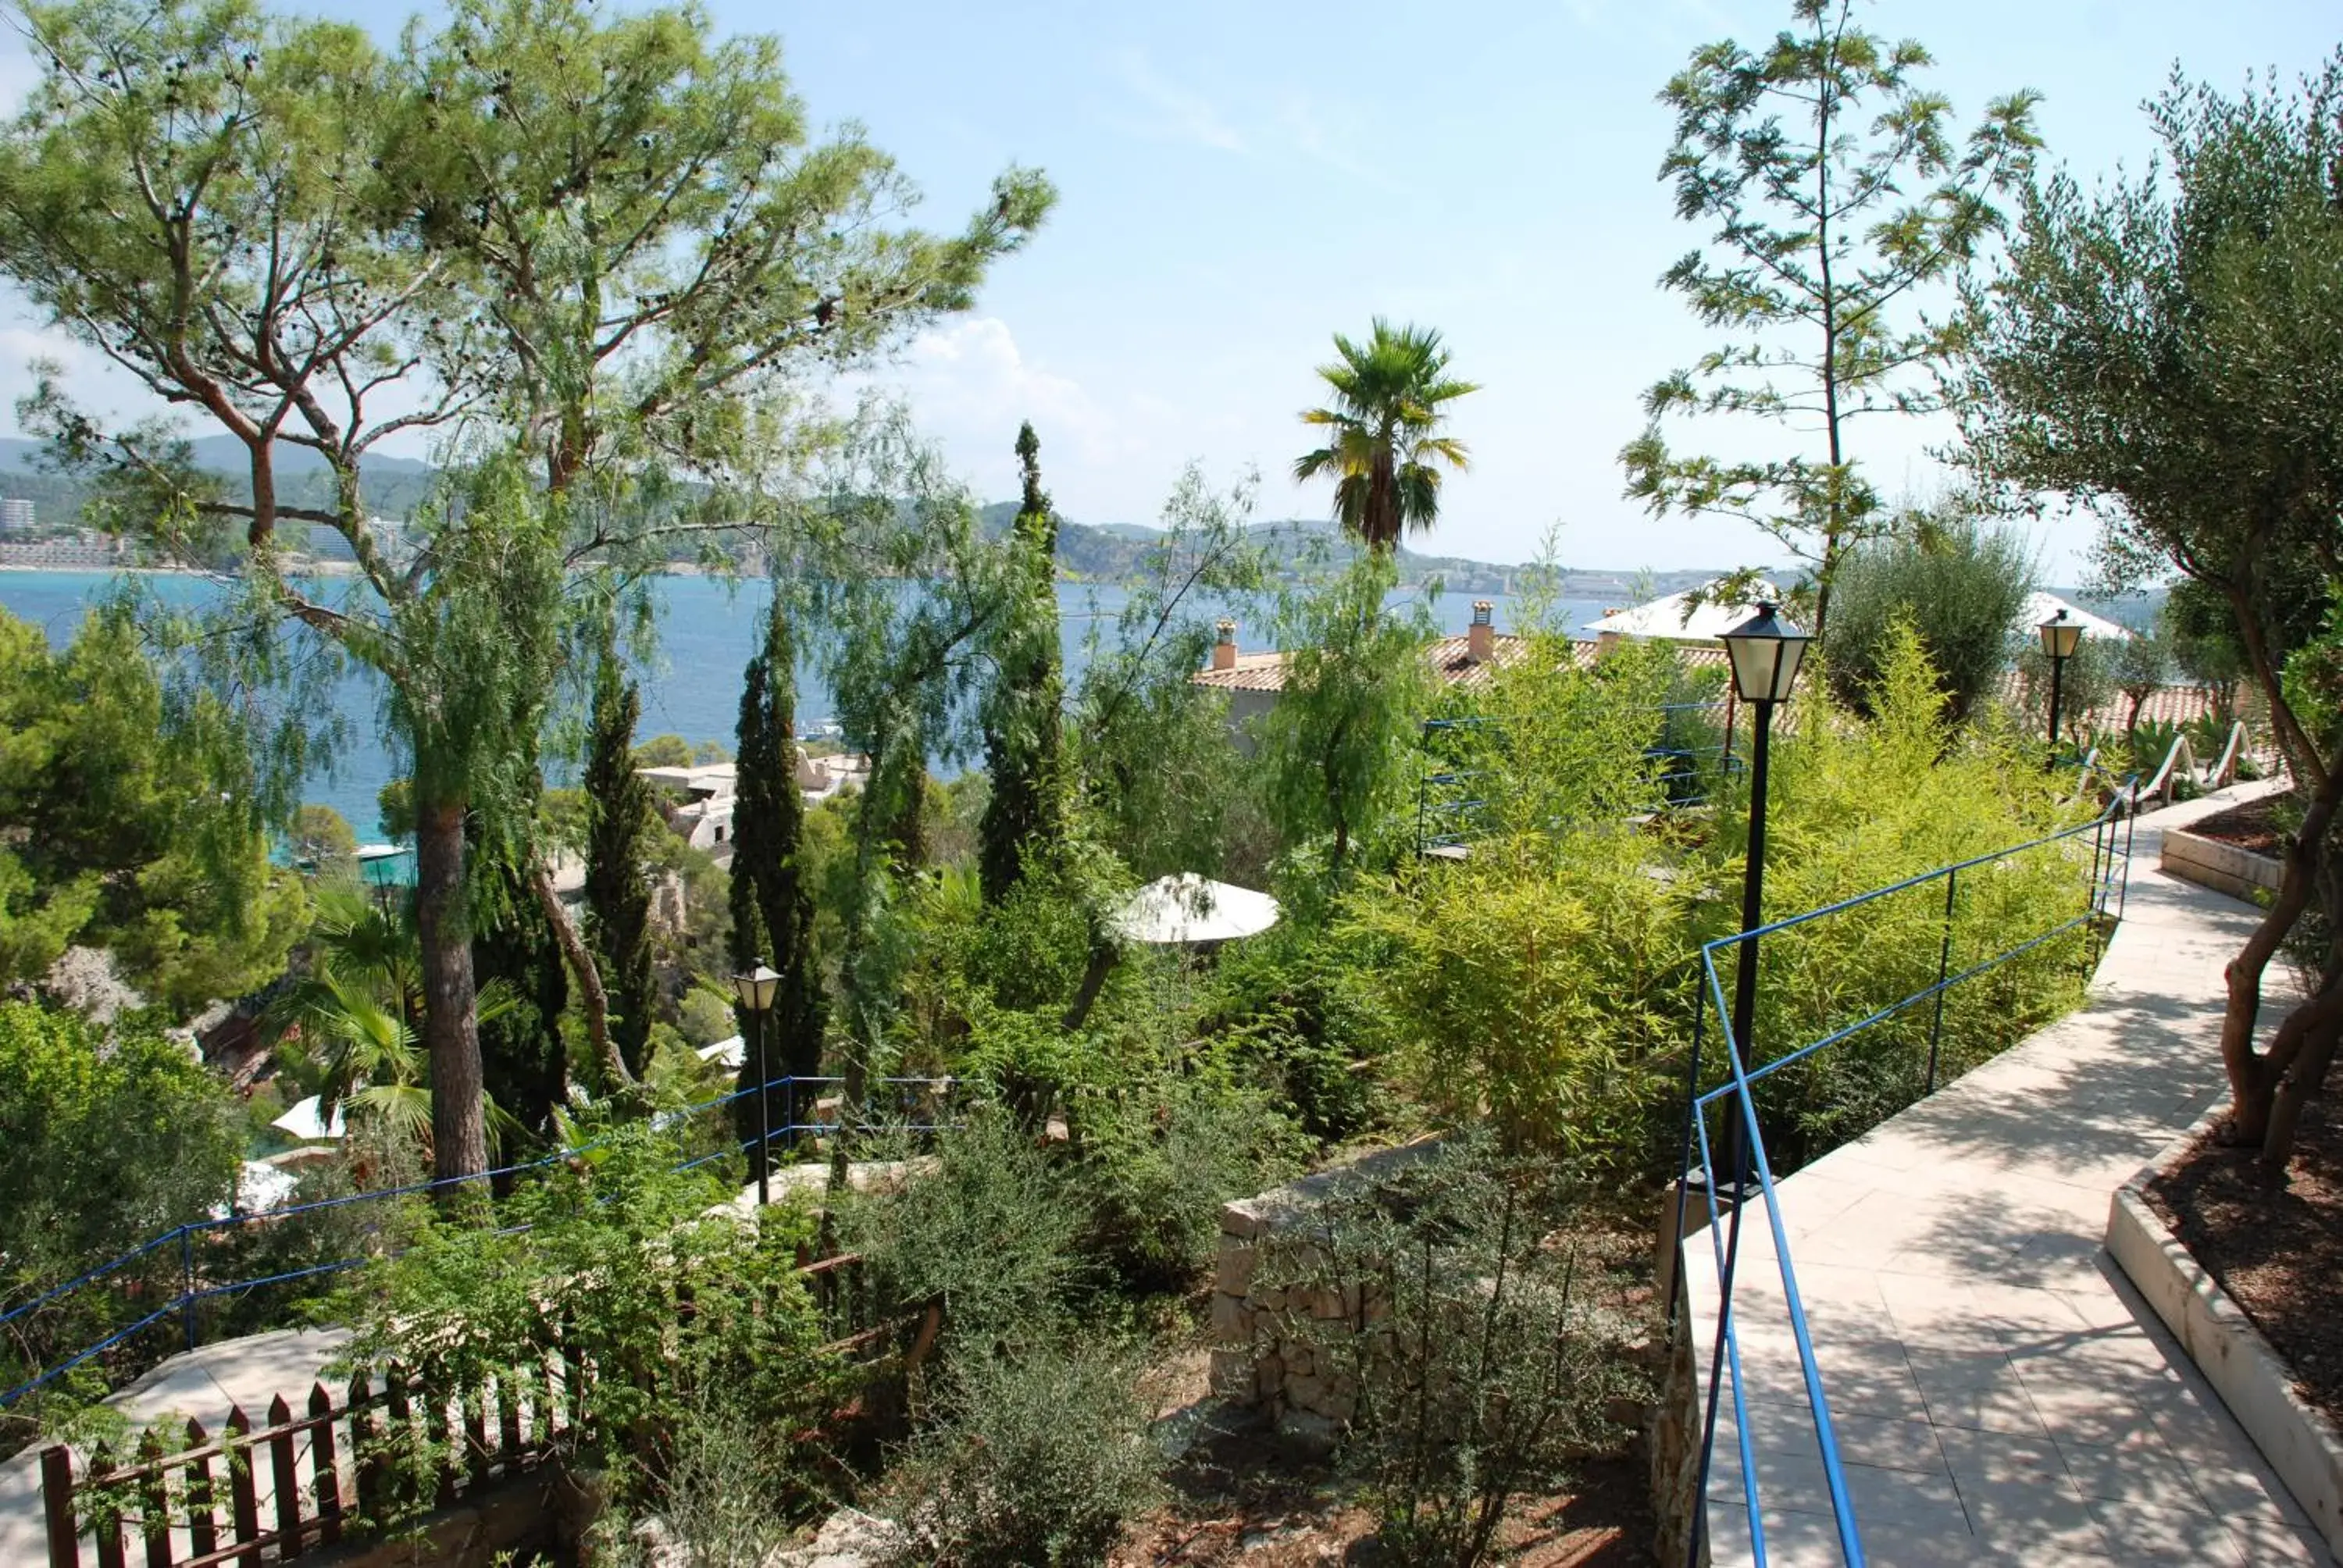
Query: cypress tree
x=524 y=1067
x=773 y=909
x=1024 y=818
x=619 y=813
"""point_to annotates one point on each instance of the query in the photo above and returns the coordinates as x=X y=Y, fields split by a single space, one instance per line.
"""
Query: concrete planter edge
x=2299 y=1442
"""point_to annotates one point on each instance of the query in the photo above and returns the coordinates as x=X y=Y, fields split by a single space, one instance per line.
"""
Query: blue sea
x=707 y=630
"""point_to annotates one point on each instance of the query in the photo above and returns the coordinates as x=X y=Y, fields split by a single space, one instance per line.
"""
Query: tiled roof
x=2164 y=705
x=1449 y=656
x=1450 y=659
x=1252 y=672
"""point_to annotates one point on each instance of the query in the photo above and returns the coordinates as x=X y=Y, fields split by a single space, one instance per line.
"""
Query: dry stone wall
x=1269 y=1337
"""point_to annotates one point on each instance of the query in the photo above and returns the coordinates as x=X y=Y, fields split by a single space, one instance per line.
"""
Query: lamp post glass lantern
x=2060 y=638
x=1765 y=653
x=755 y=991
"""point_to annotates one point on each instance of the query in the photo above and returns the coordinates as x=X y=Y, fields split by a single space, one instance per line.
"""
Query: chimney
x=1481 y=642
x=1224 y=649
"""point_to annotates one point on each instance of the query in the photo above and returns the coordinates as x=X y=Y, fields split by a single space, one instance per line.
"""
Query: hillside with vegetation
x=812 y=1151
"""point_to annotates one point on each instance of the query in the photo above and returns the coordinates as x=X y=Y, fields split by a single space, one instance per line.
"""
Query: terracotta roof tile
x=1449 y=656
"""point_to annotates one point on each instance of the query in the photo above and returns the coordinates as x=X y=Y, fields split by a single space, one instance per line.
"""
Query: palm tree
x=1385 y=446
x=354 y=1016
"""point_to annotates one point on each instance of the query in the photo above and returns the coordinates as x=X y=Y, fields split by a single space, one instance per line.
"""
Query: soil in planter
x=2251 y=826
x=2277 y=1248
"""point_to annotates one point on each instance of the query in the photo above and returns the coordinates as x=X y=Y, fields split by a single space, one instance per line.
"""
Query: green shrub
x=1155 y=1168
x=1036 y=1460
x=1337 y=750
x=614 y=1244
x=1297 y=1013
x=1541 y=984
x=1860 y=806
x=991 y=1232
x=1029 y=1059
x=1959 y=586
x=705 y=1016
x=108 y=1138
x=1488 y=1341
x=1554 y=748
x=1033 y=946
x=725 y=1497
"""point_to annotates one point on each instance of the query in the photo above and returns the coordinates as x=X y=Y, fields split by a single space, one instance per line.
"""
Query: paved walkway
x=2001 y=1393
x=207 y=1384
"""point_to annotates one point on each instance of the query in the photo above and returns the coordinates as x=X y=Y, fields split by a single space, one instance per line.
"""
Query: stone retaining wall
x=1267 y=1337
x=2300 y=1443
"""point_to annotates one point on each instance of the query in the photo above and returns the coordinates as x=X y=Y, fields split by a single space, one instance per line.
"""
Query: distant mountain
x=1113 y=552
x=226 y=454
x=1095 y=552
x=395 y=485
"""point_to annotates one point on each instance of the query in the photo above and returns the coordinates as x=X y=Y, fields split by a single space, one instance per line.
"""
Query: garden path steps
x=2000 y=1393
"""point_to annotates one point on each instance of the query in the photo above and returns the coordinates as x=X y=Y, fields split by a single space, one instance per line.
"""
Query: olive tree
x=2164 y=349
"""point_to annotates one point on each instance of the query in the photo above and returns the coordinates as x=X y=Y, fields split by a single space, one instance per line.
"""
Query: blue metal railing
x=1730 y=1180
x=194 y=1291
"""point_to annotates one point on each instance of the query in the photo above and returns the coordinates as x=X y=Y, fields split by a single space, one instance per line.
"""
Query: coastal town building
x=1254 y=681
x=16 y=515
x=698 y=800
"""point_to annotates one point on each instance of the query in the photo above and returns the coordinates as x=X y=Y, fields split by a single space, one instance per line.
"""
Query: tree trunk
x=1104 y=954
x=2315 y=1027
x=451 y=1032
x=2254 y=1076
x=587 y=974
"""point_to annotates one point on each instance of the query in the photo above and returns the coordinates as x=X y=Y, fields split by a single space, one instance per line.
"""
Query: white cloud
x=1179 y=115
x=970 y=383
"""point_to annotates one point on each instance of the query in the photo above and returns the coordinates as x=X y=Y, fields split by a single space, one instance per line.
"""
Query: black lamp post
x=755 y=990
x=1765 y=653
x=2060 y=638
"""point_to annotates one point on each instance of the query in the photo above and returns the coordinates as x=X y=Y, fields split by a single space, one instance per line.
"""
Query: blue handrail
x=2107 y=890
x=191 y=1293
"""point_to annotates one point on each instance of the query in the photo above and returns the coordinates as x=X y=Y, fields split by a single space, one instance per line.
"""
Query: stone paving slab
x=2000 y=1393
x=205 y=1384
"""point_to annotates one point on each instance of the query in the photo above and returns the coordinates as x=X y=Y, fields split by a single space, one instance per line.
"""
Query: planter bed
x=2250 y=825
x=2244 y=1274
x=2224 y=865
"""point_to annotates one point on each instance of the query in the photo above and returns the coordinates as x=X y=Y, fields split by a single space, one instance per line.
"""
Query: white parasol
x=1188 y=909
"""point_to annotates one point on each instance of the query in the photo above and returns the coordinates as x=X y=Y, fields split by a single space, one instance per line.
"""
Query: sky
x=1241 y=181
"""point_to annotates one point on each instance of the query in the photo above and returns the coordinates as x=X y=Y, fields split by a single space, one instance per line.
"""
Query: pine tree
x=619 y=813
x=1838 y=198
x=1023 y=741
x=773 y=909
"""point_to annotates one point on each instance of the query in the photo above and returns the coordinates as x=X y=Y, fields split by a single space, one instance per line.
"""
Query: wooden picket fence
x=294 y=1485
x=301 y=1483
